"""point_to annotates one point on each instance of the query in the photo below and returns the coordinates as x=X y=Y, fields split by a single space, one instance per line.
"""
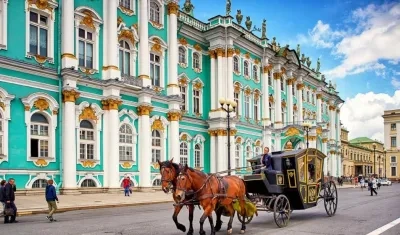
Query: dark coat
x=267 y=161
x=9 y=194
x=1 y=194
x=51 y=193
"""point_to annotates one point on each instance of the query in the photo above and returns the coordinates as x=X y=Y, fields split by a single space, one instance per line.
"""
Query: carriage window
x=311 y=169
x=301 y=169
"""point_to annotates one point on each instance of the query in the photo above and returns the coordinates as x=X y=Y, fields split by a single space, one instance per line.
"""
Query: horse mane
x=169 y=164
x=197 y=171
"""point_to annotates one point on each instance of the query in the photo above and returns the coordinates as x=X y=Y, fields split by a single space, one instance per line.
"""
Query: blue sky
x=358 y=42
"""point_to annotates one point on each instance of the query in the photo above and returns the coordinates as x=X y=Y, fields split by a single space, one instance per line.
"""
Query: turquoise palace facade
x=93 y=91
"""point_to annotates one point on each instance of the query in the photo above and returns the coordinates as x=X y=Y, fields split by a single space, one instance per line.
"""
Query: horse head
x=183 y=183
x=169 y=172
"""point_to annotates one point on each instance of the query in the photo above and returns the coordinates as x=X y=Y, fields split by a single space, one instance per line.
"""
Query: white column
x=312 y=138
x=324 y=150
x=110 y=68
x=214 y=85
x=213 y=147
x=267 y=139
x=106 y=146
x=289 y=95
x=144 y=110
x=229 y=74
x=300 y=87
x=265 y=91
x=278 y=143
x=173 y=88
x=319 y=111
x=144 y=57
x=220 y=151
x=278 y=100
x=220 y=79
x=233 y=163
x=68 y=137
x=67 y=31
x=173 y=139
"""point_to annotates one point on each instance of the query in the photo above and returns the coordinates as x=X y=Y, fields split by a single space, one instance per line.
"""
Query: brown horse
x=169 y=173
x=211 y=190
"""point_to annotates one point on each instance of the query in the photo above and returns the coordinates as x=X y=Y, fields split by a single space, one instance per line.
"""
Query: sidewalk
x=28 y=205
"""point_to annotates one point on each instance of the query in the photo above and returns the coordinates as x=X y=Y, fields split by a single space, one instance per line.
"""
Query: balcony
x=132 y=81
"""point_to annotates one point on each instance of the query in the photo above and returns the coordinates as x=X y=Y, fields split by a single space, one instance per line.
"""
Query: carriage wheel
x=330 y=198
x=282 y=211
x=244 y=219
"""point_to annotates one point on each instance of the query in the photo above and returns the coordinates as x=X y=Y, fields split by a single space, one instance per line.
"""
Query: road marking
x=385 y=227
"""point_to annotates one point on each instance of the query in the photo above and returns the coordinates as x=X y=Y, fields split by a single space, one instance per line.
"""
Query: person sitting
x=266 y=161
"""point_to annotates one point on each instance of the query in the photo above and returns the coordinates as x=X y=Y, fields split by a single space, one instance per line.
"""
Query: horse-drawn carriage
x=295 y=183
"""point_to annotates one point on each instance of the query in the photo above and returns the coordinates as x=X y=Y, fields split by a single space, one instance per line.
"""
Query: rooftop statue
x=303 y=59
x=298 y=50
x=308 y=62
x=323 y=78
x=228 y=7
x=318 y=65
x=188 y=7
x=264 y=29
x=239 y=17
x=248 y=23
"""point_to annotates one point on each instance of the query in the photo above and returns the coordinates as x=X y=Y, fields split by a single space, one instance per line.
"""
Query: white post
x=144 y=57
x=213 y=147
x=68 y=58
x=220 y=151
x=289 y=94
x=144 y=110
x=173 y=88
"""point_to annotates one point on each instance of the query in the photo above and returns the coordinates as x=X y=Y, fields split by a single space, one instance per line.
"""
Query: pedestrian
x=126 y=183
x=51 y=198
x=379 y=184
x=9 y=198
x=372 y=185
x=2 y=183
x=362 y=181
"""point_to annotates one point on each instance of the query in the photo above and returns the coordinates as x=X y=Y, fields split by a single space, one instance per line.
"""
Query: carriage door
x=310 y=170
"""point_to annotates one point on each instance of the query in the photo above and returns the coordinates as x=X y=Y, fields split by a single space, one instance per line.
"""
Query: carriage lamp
x=306 y=128
x=374 y=146
x=228 y=106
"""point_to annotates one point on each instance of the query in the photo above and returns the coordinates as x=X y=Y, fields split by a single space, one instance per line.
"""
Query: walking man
x=51 y=198
x=9 y=198
x=373 y=186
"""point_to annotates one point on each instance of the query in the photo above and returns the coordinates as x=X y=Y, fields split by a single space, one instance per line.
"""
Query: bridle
x=170 y=178
x=191 y=183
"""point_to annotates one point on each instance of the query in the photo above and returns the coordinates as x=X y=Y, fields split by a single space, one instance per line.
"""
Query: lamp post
x=374 y=146
x=384 y=163
x=228 y=106
x=379 y=166
x=306 y=128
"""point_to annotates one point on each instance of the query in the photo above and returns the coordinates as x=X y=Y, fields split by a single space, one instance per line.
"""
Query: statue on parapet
x=264 y=29
x=188 y=7
x=298 y=50
x=228 y=7
x=239 y=17
x=248 y=23
x=318 y=65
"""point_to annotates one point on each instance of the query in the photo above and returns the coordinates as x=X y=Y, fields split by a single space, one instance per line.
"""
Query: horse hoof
x=202 y=233
x=190 y=232
x=229 y=231
x=242 y=231
x=181 y=227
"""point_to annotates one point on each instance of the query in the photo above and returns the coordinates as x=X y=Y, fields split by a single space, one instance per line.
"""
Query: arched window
x=40 y=183
x=183 y=92
x=196 y=101
x=258 y=151
x=86 y=44
x=125 y=143
x=246 y=68
x=157 y=182
x=196 y=60
x=283 y=114
x=237 y=155
x=182 y=55
x=249 y=153
x=197 y=155
x=88 y=183
x=1 y=134
x=247 y=106
x=155 y=69
x=125 y=58
x=40 y=137
x=183 y=156
x=236 y=64
x=155 y=146
x=255 y=73
x=87 y=140
x=154 y=12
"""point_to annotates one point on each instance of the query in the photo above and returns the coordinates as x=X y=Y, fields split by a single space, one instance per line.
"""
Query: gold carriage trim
x=303 y=193
x=280 y=180
x=312 y=193
x=291 y=174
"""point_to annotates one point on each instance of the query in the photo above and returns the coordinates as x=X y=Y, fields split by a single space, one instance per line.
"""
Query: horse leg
x=231 y=212
x=175 y=218
x=210 y=219
x=191 y=211
x=218 y=223
x=242 y=203
x=207 y=214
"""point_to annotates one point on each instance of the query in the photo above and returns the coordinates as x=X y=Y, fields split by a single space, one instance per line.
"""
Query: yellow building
x=347 y=163
x=391 y=120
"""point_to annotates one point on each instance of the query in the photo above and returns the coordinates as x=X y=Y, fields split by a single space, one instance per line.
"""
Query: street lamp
x=379 y=166
x=306 y=128
x=374 y=146
x=384 y=164
x=228 y=106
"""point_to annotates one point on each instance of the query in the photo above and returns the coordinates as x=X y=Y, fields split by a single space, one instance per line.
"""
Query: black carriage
x=295 y=183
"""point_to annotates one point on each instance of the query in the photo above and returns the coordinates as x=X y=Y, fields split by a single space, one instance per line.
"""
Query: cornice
x=22 y=66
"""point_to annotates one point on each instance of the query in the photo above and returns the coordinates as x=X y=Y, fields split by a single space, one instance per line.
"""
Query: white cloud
x=396 y=83
x=323 y=36
x=374 y=39
x=362 y=114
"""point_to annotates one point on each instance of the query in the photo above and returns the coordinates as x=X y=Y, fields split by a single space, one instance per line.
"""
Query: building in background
x=391 y=120
x=92 y=91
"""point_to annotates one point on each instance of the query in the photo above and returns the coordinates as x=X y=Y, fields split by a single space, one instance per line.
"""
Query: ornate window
x=88 y=183
x=236 y=97
x=40 y=30
x=196 y=101
x=247 y=106
x=127 y=4
x=125 y=58
x=256 y=109
x=196 y=61
x=40 y=183
x=40 y=136
x=237 y=155
x=182 y=55
x=125 y=143
x=197 y=97
x=183 y=91
x=87 y=38
x=156 y=146
x=155 y=70
x=183 y=156
x=246 y=68
x=308 y=96
x=255 y=72
x=87 y=141
x=283 y=114
x=249 y=153
x=3 y=25
x=197 y=156
x=236 y=64
x=155 y=13
x=258 y=150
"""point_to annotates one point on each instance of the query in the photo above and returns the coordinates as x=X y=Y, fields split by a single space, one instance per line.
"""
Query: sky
x=357 y=41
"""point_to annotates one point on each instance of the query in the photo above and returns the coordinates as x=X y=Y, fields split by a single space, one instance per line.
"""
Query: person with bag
x=2 y=183
x=10 y=210
x=51 y=198
x=126 y=183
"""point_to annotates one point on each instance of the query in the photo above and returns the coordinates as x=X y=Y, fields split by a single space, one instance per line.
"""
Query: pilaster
x=300 y=87
x=220 y=78
x=278 y=97
x=214 y=84
x=312 y=138
x=68 y=58
x=173 y=117
x=319 y=111
x=143 y=110
x=324 y=151
x=110 y=68
x=289 y=95
x=144 y=56
x=265 y=90
x=229 y=84
x=173 y=88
